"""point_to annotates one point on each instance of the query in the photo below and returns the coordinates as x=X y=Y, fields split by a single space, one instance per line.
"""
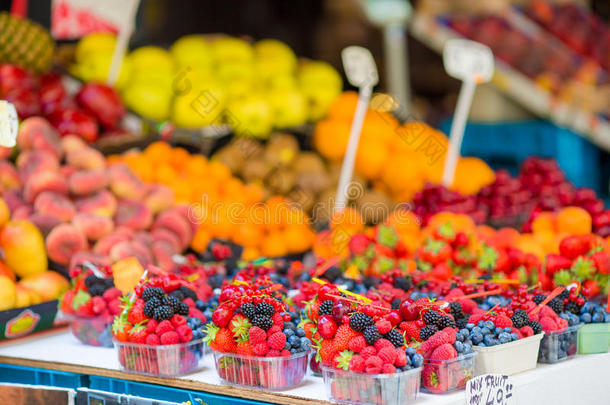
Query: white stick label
x=9 y=124
x=359 y=66
x=490 y=389
x=468 y=60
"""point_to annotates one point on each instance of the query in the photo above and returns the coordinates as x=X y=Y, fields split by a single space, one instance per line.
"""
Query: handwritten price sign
x=490 y=389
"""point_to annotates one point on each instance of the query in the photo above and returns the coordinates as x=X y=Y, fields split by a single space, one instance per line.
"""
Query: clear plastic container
x=271 y=373
x=594 y=338
x=508 y=358
x=439 y=377
x=346 y=387
x=162 y=360
x=559 y=345
x=93 y=331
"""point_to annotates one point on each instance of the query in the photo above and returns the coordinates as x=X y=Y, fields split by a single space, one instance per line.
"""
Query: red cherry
x=327 y=327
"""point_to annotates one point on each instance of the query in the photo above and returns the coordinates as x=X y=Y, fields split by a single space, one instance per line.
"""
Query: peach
x=37 y=134
x=162 y=234
x=144 y=238
x=23 y=296
x=8 y=293
x=86 y=158
x=5 y=152
x=159 y=198
x=13 y=199
x=51 y=203
x=71 y=143
x=22 y=212
x=96 y=259
x=93 y=226
x=67 y=171
x=23 y=247
x=87 y=181
x=32 y=162
x=101 y=203
x=124 y=184
x=64 y=241
x=142 y=253
x=176 y=223
x=9 y=178
x=48 y=285
x=163 y=254
x=183 y=210
x=106 y=243
x=47 y=181
x=44 y=222
x=133 y=214
x=125 y=249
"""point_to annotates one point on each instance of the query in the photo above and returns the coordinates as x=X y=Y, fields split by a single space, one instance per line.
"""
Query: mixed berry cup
x=559 y=345
x=443 y=376
x=271 y=373
x=92 y=331
x=160 y=360
x=347 y=387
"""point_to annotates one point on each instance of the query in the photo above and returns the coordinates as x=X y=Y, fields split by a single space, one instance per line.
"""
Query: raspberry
x=357 y=364
x=388 y=369
x=357 y=344
x=278 y=319
x=273 y=330
x=163 y=327
x=276 y=341
x=439 y=338
x=260 y=349
x=170 y=338
x=257 y=335
x=178 y=320
x=548 y=324
x=153 y=340
x=151 y=326
x=373 y=362
x=401 y=358
x=444 y=352
x=381 y=343
x=387 y=355
x=383 y=326
x=452 y=333
x=518 y=332
x=503 y=321
x=527 y=331
x=189 y=302
x=273 y=353
x=373 y=370
x=468 y=305
x=285 y=353
x=185 y=333
x=368 y=352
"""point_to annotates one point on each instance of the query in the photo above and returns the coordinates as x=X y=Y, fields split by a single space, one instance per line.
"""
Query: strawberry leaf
x=81 y=298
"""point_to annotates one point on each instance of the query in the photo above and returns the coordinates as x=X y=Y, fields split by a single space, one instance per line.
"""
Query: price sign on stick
x=9 y=124
x=490 y=389
x=472 y=63
x=361 y=72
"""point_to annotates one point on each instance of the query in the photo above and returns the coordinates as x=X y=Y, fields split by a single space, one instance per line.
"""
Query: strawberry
x=163 y=327
x=445 y=232
x=601 y=261
x=112 y=294
x=153 y=340
x=411 y=331
x=98 y=305
x=343 y=336
x=401 y=358
x=435 y=251
x=383 y=326
x=590 y=288
x=170 y=338
x=86 y=309
x=276 y=341
x=245 y=349
x=120 y=329
x=555 y=263
x=326 y=352
x=66 y=302
x=358 y=244
x=240 y=326
x=185 y=333
x=221 y=316
x=342 y=360
x=444 y=352
x=138 y=334
x=431 y=380
x=387 y=355
x=151 y=326
x=388 y=368
x=260 y=349
x=136 y=315
x=311 y=309
x=257 y=335
x=442 y=271
x=356 y=364
x=583 y=268
x=357 y=344
x=574 y=246
x=224 y=341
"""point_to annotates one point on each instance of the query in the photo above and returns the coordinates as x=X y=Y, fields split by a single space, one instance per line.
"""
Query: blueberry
x=201 y=305
x=465 y=331
x=294 y=341
x=288 y=332
x=504 y=337
x=498 y=330
x=411 y=351
x=305 y=343
x=514 y=336
x=476 y=329
x=607 y=318
x=485 y=331
x=489 y=340
x=476 y=338
x=586 y=317
x=489 y=325
x=598 y=318
x=459 y=347
x=287 y=346
x=467 y=348
x=469 y=326
x=293 y=351
x=289 y=325
x=300 y=332
x=481 y=344
x=417 y=360
x=508 y=330
x=480 y=324
x=485 y=307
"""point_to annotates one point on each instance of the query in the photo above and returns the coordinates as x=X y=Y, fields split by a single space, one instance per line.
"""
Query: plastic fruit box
x=559 y=345
x=271 y=373
x=94 y=331
x=346 y=387
x=443 y=376
x=508 y=358
x=162 y=360
x=594 y=338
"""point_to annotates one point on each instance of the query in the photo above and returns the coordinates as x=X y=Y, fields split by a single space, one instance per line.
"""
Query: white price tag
x=9 y=124
x=490 y=389
x=359 y=66
x=468 y=60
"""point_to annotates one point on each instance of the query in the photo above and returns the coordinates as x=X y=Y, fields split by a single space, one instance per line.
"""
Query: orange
x=219 y=171
x=344 y=106
x=339 y=241
x=460 y=222
x=330 y=138
x=200 y=240
x=371 y=158
x=197 y=165
x=528 y=244
x=545 y=221
x=379 y=126
x=404 y=221
x=471 y=174
x=348 y=220
x=505 y=237
x=248 y=235
x=299 y=238
x=547 y=241
x=484 y=232
x=402 y=169
x=322 y=245
x=250 y=253
x=273 y=245
x=158 y=151
x=5 y=213
x=574 y=220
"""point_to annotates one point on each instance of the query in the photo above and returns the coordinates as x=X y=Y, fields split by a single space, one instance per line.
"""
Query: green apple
x=95 y=68
x=273 y=57
x=289 y=108
x=148 y=99
x=251 y=116
x=192 y=51
x=321 y=84
x=147 y=58
x=199 y=107
x=231 y=50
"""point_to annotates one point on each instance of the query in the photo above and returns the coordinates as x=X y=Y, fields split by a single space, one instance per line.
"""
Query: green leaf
x=563 y=277
x=487 y=259
x=81 y=298
x=582 y=268
x=387 y=236
x=344 y=358
x=210 y=331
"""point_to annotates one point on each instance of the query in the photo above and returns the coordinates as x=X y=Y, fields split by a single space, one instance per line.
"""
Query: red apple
x=25 y=101
x=102 y=102
x=75 y=122
x=13 y=77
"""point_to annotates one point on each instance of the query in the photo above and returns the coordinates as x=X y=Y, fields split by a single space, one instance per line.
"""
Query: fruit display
x=159 y=330
x=25 y=43
x=213 y=80
x=221 y=205
x=557 y=346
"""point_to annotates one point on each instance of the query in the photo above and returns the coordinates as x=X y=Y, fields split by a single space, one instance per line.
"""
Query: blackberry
x=396 y=303
x=445 y=322
x=162 y=313
x=404 y=283
x=326 y=308
x=427 y=331
x=564 y=294
x=536 y=327
x=171 y=302
x=461 y=323
x=332 y=273
x=359 y=321
x=183 y=309
x=265 y=308
x=395 y=337
x=150 y=292
x=556 y=305
x=455 y=308
x=188 y=293
x=109 y=282
x=431 y=317
x=262 y=321
x=572 y=307
x=150 y=306
x=248 y=310
x=539 y=298
x=97 y=289
x=90 y=280
x=177 y=294
x=520 y=319
x=371 y=334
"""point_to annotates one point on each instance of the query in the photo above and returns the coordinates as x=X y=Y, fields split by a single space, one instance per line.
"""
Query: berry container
x=161 y=360
x=92 y=331
x=508 y=358
x=594 y=338
x=559 y=345
x=270 y=373
x=443 y=376
x=347 y=387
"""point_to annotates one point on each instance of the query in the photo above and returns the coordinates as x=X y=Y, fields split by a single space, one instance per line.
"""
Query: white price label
x=9 y=124
x=490 y=389
x=359 y=66
x=468 y=60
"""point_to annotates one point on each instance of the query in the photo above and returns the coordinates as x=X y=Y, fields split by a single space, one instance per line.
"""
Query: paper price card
x=490 y=389
x=468 y=60
x=8 y=124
